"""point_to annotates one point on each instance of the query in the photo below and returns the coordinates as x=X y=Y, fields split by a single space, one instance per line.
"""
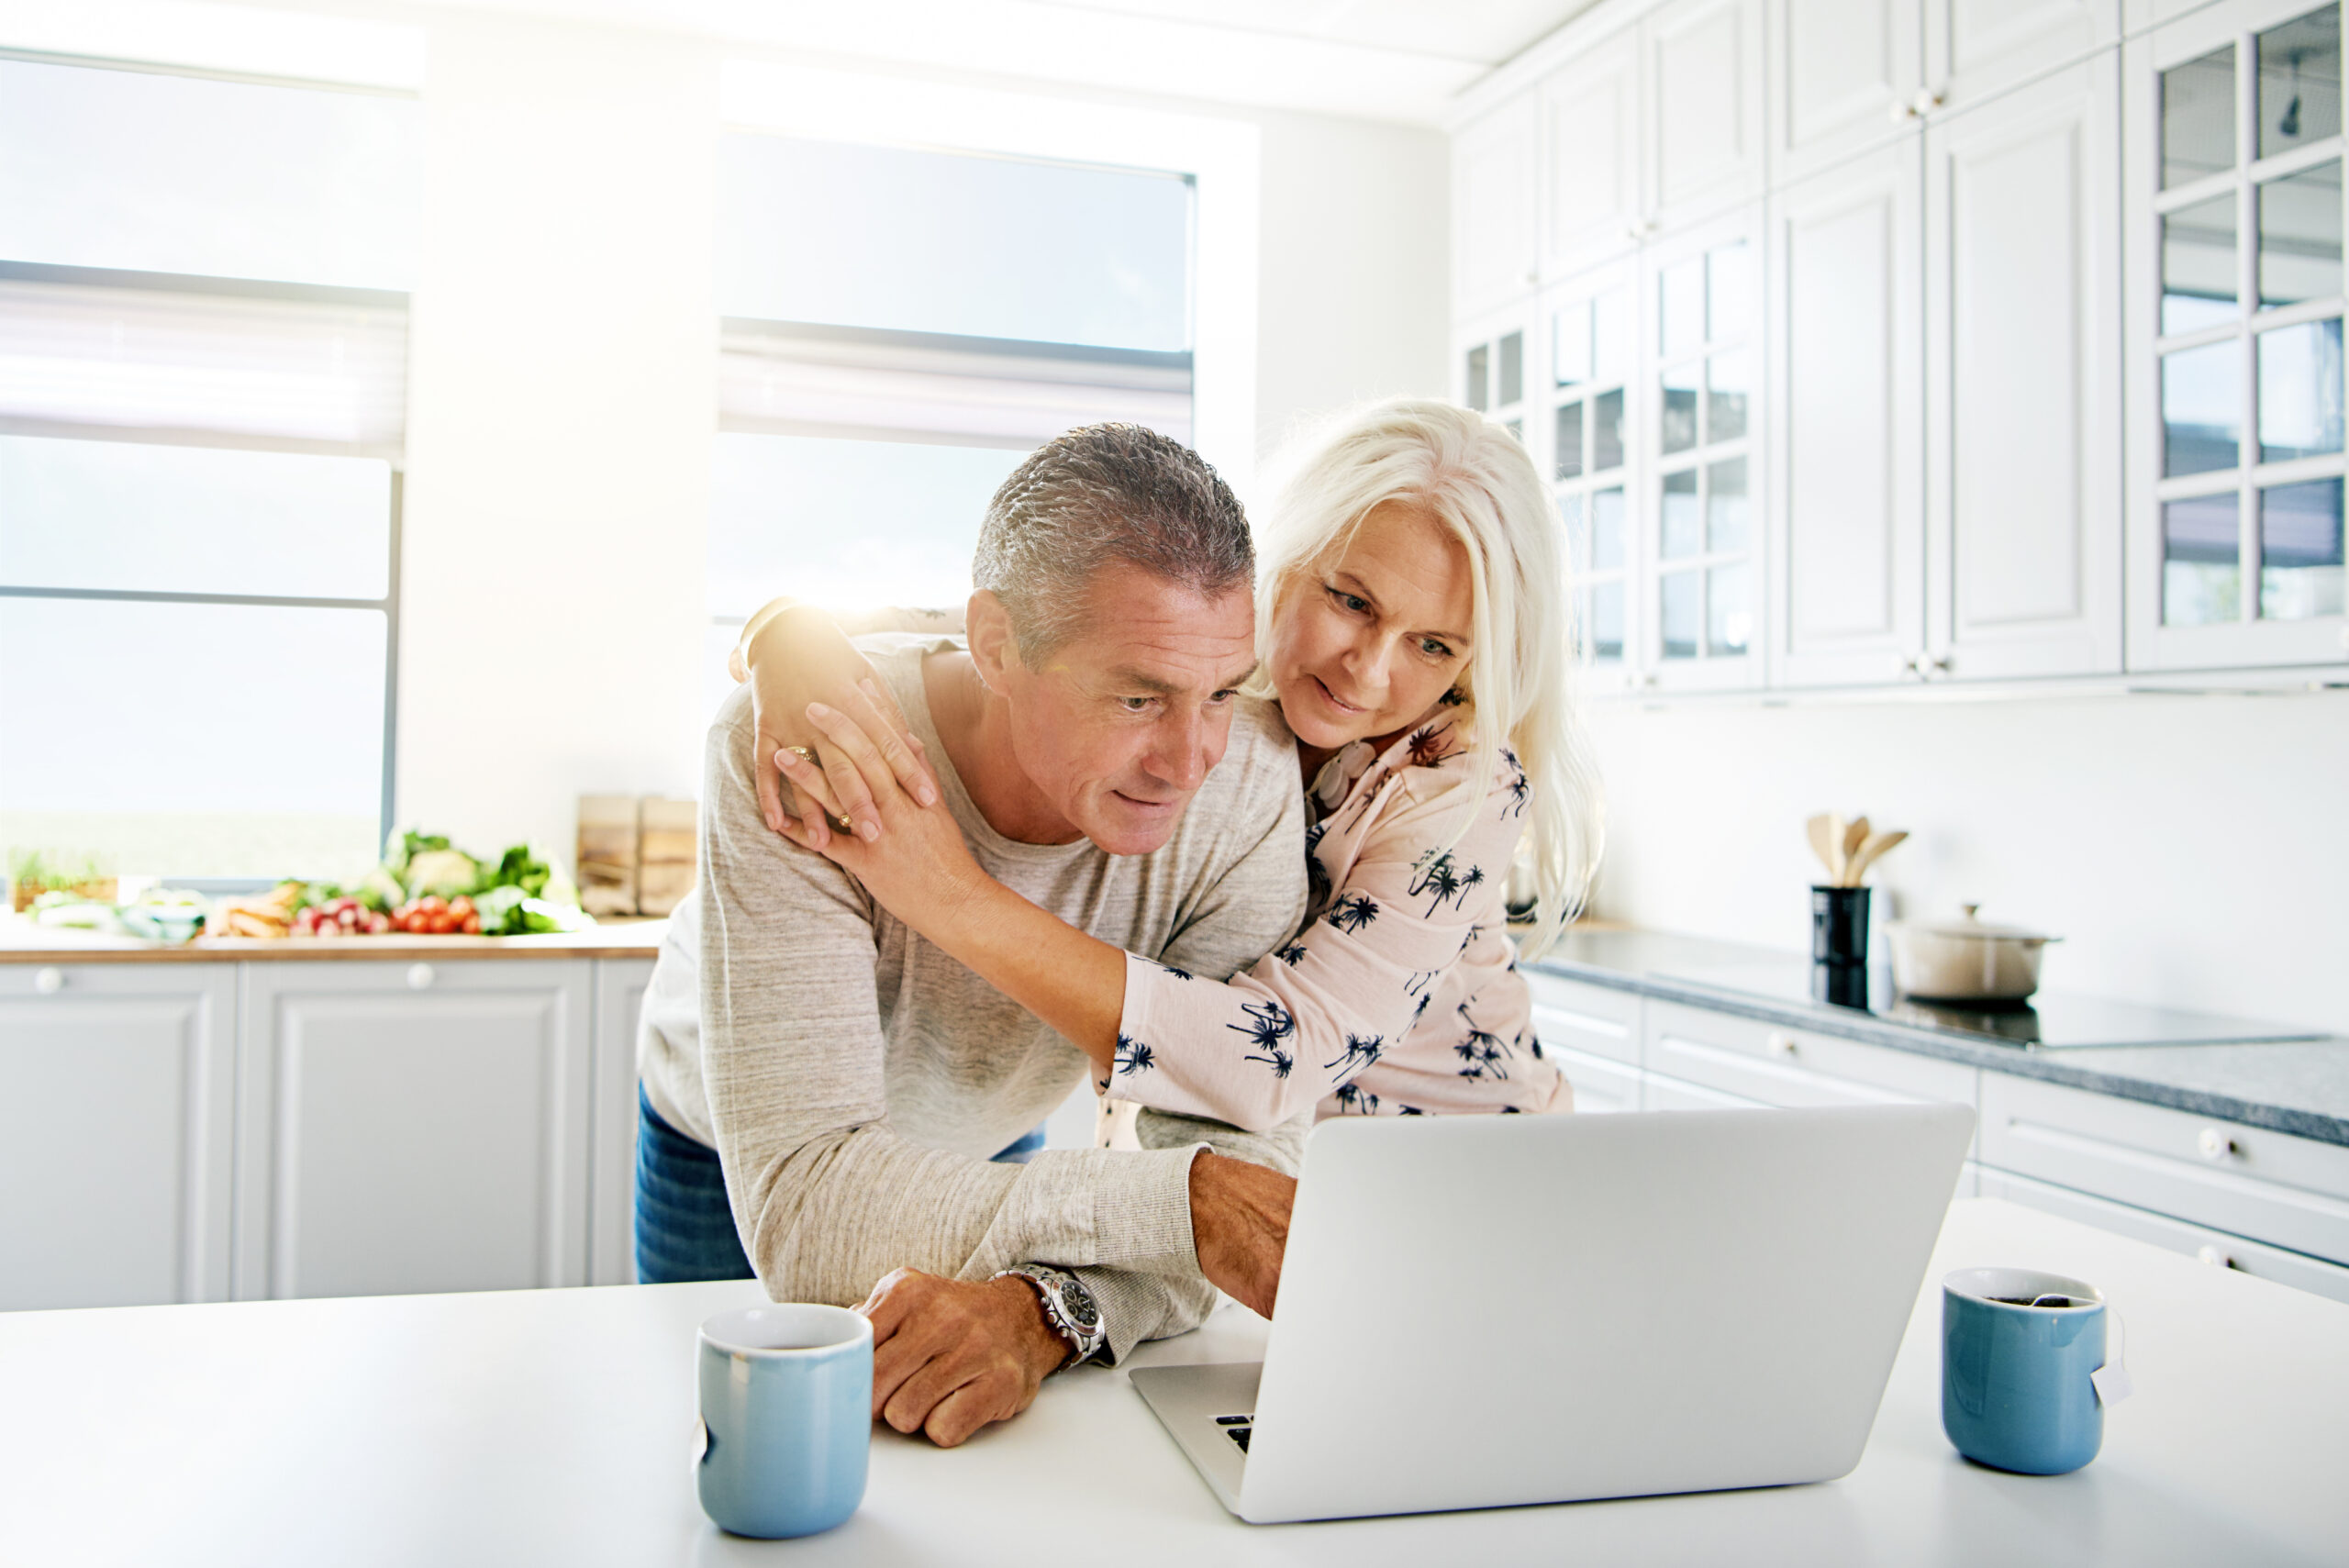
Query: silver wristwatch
x=1069 y=1308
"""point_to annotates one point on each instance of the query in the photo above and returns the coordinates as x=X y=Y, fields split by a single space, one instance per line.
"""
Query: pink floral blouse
x=1401 y=996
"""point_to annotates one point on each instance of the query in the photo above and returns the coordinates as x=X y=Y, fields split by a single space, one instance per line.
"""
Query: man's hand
x=1240 y=1227
x=949 y=1357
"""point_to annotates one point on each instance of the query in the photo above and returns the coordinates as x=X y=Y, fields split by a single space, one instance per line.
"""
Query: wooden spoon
x=1878 y=843
x=1822 y=844
x=1836 y=828
x=1854 y=837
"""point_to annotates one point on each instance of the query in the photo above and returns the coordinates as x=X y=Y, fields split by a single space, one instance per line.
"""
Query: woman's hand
x=798 y=657
x=915 y=861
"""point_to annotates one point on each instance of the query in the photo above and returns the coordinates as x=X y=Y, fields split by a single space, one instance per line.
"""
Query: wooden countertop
x=22 y=942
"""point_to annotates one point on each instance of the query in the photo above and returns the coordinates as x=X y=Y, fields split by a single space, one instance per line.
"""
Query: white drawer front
x=2213 y=1247
x=1601 y=1084
x=1662 y=1093
x=1794 y=1067
x=2270 y=1186
x=1570 y=1014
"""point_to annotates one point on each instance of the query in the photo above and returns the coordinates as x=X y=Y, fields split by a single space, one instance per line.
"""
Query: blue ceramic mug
x=2020 y=1349
x=786 y=1411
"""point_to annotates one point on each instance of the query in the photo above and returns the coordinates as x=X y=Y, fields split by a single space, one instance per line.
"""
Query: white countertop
x=552 y=1427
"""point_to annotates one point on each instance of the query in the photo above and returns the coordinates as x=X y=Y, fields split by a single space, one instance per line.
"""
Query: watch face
x=1079 y=1301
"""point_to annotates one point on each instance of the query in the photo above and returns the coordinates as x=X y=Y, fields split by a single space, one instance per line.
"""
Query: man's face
x=1117 y=727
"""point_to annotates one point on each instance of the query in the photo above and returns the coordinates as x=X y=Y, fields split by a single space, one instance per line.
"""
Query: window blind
x=799 y=379
x=190 y=357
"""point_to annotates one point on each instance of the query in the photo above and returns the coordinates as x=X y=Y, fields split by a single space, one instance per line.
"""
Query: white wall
x=561 y=402
x=562 y=396
x=1356 y=267
x=2192 y=850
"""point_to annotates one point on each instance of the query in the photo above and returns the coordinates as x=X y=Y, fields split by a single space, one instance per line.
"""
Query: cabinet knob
x=1925 y=666
x=1781 y=1043
x=48 y=982
x=2212 y=1256
x=1903 y=110
x=2216 y=1145
x=419 y=978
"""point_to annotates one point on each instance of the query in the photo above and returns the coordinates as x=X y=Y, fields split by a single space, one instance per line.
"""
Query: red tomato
x=460 y=907
x=443 y=922
x=473 y=925
x=416 y=921
x=431 y=904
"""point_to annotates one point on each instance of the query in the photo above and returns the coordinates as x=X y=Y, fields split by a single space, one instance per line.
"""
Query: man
x=853 y=1081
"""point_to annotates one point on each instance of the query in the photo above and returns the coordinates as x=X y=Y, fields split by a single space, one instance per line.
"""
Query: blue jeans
x=685 y=1228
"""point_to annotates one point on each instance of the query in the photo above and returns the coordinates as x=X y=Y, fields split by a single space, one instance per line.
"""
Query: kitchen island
x=556 y=1427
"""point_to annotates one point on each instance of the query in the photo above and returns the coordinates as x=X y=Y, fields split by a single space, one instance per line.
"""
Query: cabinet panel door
x=1574 y=1014
x=1493 y=222
x=1662 y=1093
x=1846 y=346
x=413 y=1126
x=114 y=1177
x=2250 y=1181
x=1601 y=1086
x=2023 y=380
x=1977 y=49
x=1702 y=94
x=611 y=1193
x=1843 y=76
x=1590 y=158
x=2213 y=1247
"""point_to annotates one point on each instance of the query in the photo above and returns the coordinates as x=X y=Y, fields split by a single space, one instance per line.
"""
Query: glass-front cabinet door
x=1491 y=368
x=1592 y=374
x=2237 y=468
x=1699 y=607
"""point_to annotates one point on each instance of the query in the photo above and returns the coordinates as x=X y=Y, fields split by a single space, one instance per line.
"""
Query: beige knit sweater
x=854 y=1079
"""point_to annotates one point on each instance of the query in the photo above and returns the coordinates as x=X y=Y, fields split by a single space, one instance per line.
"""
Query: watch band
x=1069 y=1308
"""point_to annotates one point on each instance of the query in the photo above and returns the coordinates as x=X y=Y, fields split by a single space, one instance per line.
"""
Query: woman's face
x=1367 y=640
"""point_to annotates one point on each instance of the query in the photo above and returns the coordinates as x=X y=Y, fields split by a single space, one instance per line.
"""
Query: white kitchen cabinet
x=1595 y=1019
x=2269 y=1187
x=611 y=1182
x=1844 y=76
x=1698 y=459
x=1701 y=97
x=1493 y=363
x=1586 y=425
x=1496 y=209
x=2216 y=1248
x=2235 y=241
x=1661 y=1092
x=1975 y=49
x=1649 y=129
x=413 y=1126
x=2023 y=358
x=1770 y=1064
x=114 y=1177
x=1847 y=529
x=1601 y=1083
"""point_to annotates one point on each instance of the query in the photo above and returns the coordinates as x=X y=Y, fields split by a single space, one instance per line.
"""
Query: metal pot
x=1966 y=961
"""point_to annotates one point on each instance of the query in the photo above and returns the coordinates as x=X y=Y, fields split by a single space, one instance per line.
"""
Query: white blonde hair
x=1473 y=477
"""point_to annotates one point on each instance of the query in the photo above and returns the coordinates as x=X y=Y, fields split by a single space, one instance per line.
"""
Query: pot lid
x=1971 y=925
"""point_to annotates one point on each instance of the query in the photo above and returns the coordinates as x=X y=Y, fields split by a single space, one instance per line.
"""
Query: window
x=899 y=329
x=203 y=349
x=2250 y=382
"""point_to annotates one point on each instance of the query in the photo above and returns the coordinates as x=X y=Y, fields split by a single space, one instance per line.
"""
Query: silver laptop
x=1477 y=1311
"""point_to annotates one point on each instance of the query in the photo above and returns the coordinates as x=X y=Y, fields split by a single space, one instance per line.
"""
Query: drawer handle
x=419 y=978
x=1781 y=1043
x=2217 y=1147
x=2212 y=1256
x=48 y=982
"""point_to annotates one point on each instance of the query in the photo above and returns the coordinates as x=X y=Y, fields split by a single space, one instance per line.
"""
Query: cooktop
x=2050 y=1020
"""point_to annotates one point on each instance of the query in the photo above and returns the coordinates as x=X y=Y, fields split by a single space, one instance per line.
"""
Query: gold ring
x=805 y=753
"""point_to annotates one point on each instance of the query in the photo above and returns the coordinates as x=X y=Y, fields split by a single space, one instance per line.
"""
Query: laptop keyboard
x=1237 y=1429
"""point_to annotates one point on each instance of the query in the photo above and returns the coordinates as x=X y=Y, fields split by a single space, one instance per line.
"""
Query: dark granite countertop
x=2237 y=1070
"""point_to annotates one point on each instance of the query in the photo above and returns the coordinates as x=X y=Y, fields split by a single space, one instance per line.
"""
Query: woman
x=1413 y=627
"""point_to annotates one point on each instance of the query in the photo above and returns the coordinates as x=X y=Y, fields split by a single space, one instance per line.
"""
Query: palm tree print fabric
x=1400 y=996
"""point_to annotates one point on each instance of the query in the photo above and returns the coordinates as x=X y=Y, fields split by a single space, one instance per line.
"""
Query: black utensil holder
x=1839 y=925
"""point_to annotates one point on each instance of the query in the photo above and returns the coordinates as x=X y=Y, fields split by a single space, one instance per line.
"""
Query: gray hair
x=1095 y=495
